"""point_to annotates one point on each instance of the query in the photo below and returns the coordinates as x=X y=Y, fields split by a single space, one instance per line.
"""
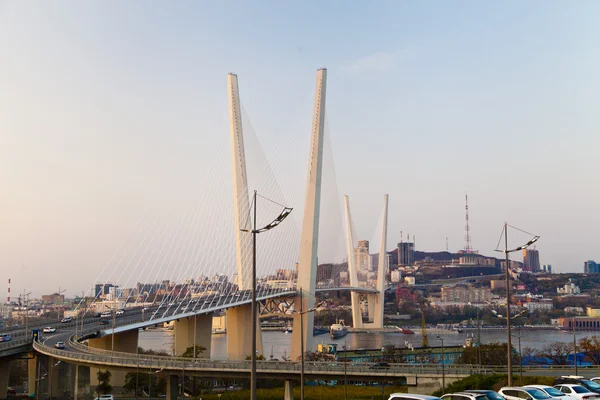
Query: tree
x=317 y=356
x=391 y=354
x=141 y=350
x=189 y=352
x=590 y=347
x=159 y=385
x=557 y=352
x=491 y=354
x=531 y=356
x=259 y=357
x=104 y=385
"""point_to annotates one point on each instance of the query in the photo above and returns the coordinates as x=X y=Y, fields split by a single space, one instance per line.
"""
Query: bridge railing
x=85 y=354
x=15 y=343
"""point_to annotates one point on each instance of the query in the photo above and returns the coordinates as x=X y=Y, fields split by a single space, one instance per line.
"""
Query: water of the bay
x=278 y=343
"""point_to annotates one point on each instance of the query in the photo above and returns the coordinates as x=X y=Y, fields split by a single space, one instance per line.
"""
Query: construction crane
x=425 y=342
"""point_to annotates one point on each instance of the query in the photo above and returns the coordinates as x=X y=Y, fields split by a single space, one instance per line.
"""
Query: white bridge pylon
x=376 y=300
x=238 y=319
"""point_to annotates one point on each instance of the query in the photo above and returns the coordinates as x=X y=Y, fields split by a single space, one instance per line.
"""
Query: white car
x=106 y=397
x=465 y=396
x=120 y=312
x=410 y=396
x=60 y=345
x=550 y=391
x=523 y=393
x=49 y=329
x=577 y=391
x=105 y=314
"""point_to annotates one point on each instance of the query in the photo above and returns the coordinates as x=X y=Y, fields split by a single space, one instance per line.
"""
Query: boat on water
x=407 y=331
x=319 y=330
x=338 y=330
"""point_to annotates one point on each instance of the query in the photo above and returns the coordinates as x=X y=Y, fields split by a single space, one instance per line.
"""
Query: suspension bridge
x=188 y=270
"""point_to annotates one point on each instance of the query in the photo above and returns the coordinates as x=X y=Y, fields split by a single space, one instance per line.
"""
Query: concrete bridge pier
x=239 y=338
x=32 y=372
x=172 y=387
x=4 y=373
x=288 y=390
x=201 y=326
x=125 y=342
x=371 y=301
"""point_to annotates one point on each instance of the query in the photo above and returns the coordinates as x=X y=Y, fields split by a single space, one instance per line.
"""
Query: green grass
x=494 y=382
x=312 y=393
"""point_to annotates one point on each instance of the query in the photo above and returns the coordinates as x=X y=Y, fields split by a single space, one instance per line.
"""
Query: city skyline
x=102 y=105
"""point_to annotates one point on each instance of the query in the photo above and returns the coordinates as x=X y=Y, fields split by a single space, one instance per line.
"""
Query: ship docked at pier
x=338 y=330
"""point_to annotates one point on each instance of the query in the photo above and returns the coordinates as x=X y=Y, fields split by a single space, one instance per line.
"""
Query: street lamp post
x=574 y=346
x=302 y=312
x=345 y=376
x=441 y=339
x=520 y=359
x=286 y=211
x=506 y=252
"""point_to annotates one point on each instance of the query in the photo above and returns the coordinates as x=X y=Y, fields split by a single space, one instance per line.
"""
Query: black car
x=578 y=380
x=104 y=322
x=97 y=315
x=380 y=365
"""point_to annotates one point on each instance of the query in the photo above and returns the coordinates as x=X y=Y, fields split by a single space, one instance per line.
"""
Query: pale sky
x=108 y=109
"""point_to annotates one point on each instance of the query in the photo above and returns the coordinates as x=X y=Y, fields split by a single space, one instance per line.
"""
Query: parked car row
x=565 y=388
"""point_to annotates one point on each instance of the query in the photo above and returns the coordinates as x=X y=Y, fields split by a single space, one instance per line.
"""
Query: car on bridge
x=380 y=365
x=106 y=397
x=106 y=314
x=49 y=329
x=104 y=322
x=66 y=319
x=120 y=312
x=60 y=345
x=5 y=337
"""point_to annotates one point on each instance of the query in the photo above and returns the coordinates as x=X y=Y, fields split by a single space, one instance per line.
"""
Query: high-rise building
x=531 y=260
x=101 y=289
x=406 y=253
x=591 y=267
x=363 y=261
x=547 y=268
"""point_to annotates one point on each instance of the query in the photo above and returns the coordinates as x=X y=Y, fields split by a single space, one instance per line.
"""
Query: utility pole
x=345 y=376
x=574 y=346
x=508 y=334
x=301 y=346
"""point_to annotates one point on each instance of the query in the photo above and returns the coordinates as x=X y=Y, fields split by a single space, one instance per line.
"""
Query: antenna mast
x=468 y=247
